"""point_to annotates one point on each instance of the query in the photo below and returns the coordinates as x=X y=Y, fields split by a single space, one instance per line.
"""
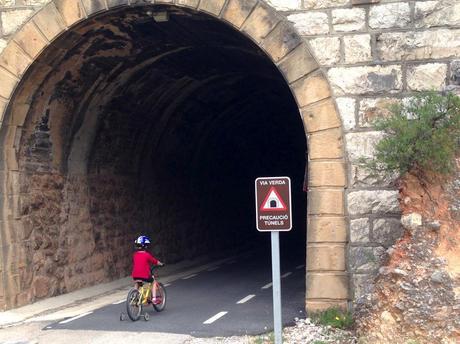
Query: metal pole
x=276 y=287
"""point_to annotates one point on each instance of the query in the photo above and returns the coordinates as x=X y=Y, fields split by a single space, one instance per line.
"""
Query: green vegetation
x=420 y=136
x=334 y=317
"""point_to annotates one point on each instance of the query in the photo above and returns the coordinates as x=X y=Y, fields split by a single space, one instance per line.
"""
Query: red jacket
x=141 y=264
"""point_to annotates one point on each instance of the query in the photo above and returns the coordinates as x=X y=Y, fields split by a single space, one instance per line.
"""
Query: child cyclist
x=142 y=260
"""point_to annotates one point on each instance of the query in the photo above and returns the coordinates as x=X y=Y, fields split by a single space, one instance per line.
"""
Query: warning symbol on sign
x=273 y=201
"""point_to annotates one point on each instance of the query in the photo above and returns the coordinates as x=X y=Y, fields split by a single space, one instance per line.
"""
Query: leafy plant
x=334 y=317
x=420 y=136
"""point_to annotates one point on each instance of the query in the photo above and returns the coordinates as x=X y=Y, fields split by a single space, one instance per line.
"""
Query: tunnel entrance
x=149 y=120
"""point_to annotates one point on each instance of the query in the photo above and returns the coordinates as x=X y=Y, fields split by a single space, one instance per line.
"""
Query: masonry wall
x=374 y=53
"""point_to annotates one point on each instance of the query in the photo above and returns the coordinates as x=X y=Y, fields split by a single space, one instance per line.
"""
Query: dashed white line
x=286 y=274
x=118 y=302
x=246 y=299
x=74 y=318
x=267 y=286
x=189 y=276
x=214 y=318
x=213 y=268
x=299 y=267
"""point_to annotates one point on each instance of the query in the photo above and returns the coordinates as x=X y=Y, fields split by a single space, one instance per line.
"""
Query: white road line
x=246 y=299
x=167 y=284
x=74 y=318
x=286 y=274
x=299 y=267
x=267 y=286
x=48 y=327
x=213 y=268
x=214 y=318
x=189 y=276
x=118 y=302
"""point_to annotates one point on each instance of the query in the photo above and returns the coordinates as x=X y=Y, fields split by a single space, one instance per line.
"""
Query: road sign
x=273 y=204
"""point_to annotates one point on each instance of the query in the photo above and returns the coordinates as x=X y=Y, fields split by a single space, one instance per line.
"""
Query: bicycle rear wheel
x=134 y=304
x=160 y=297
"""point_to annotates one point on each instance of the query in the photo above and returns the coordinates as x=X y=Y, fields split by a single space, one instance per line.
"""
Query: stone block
x=320 y=116
x=11 y=159
x=362 y=284
x=115 y=3
x=337 y=286
x=93 y=6
x=347 y=108
x=365 y=80
x=12 y=20
x=411 y=221
x=30 y=39
x=281 y=41
x=285 y=5
x=357 y=48
x=360 y=230
x=49 y=21
x=436 y=13
x=373 y=202
x=7 y=84
x=387 y=231
x=3 y=44
x=325 y=257
x=311 y=89
x=371 y=109
x=433 y=44
x=326 y=50
x=189 y=3
x=310 y=23
x=18 y=114
x=365 y=259
x=316 y=4
x=386 y=16
x=349 y=19
x=427 y=77
x=212 y=6
x=71 y=11
x=297 y=64
x=237 y=11
x=362 y=177
x=362 y=144
x=326 y=173
x=3 y=105
x=14 y=59
x=319 y=306
x=327 y=144
x=325 y=202
x=326 y=228
x=260 y=22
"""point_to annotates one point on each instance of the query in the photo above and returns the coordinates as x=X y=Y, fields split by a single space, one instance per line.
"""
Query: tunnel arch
x=287 y=51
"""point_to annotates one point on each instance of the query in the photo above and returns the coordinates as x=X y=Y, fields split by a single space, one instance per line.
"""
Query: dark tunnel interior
x=143 y=126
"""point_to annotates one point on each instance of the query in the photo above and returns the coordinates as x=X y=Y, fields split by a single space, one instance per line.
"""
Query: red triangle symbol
x=273 y=201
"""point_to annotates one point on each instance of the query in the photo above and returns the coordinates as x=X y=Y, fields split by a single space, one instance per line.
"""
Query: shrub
x=334 y=317
x=420 y=136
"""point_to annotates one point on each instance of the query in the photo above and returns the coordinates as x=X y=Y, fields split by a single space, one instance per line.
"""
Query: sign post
x=274 y=214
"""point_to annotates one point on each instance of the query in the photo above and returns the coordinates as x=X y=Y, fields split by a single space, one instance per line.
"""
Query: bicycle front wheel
x=160 y=303
x=134 y=304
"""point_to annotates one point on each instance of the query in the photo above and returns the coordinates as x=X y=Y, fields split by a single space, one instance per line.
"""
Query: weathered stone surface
x=2 y=44
x=310 y=23
x=365 y=258
x=315 y=4
x=360 y=230
x=436 y=13
x=297 y=64
x=49 y=21
x=346 y=20
x=285 y=5
x=237 y=11
x=3 y=104
x=362 y=177
x=362 y=144
x=320 y=116
x=7 y=3
x=260 y=22
x=365 y=80
x=434 y=44
x=7 y=84
x=386 y=231
x=411 y=221
x=281 y=41
x=325 y=202
x=454 y=71
x=357 y=48
x=372 y=108
x=338 y=283
x=311 y=89
x=326 y=50
x=325 y=173
x=389 y=15
x=373 y=202
x=326 y=257
x=318 y=306
x=93 y=6
x=329 y=229
x=362 y=284
x=427 y=76
x=114 y=3
x=14 y=59
x=346 y=108
x=30 y=39
x=212 y=6
x=12 y=20
x=71 y=11
x=327 y=144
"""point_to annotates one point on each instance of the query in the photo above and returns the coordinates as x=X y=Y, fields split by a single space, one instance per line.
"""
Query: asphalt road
x=233 y=299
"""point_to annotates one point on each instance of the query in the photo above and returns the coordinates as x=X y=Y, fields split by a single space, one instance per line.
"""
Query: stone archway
x=327 y=282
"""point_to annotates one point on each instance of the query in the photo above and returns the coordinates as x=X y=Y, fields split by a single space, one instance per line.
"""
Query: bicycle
x=141 y=295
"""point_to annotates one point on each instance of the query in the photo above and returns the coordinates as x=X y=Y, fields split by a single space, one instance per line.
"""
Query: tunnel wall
x=371 y=53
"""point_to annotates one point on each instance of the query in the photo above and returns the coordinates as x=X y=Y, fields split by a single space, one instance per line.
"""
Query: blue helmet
x=142 y=241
